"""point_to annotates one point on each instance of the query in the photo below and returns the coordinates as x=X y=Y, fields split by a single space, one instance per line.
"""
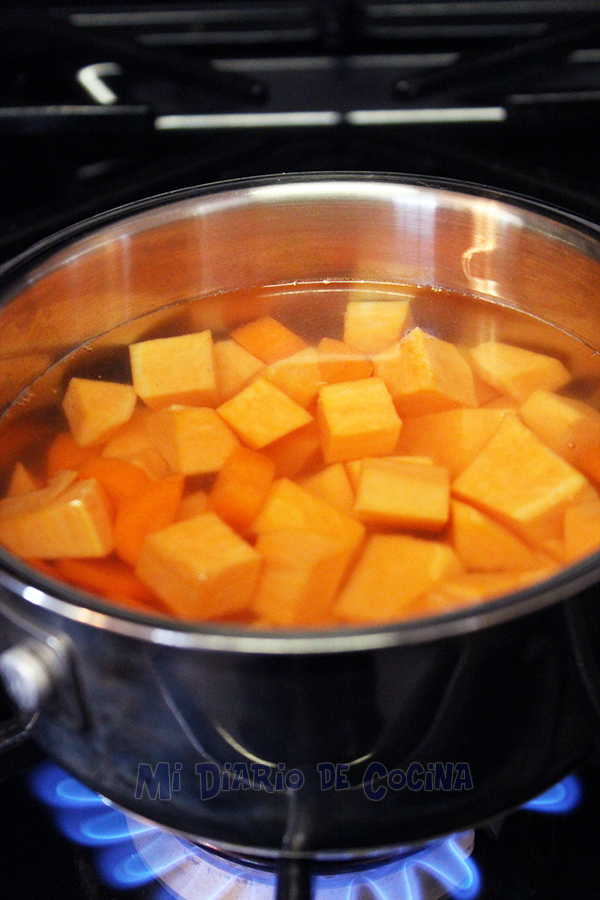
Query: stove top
x=104 y=104
x=61 y=840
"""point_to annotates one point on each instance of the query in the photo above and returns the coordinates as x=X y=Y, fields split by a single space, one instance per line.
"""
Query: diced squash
x=590 y=465
x=476 y=587
x=65 y=454
x=484 y=392
x=425 y=374
x=298 y=376
x=241 y=486
x=295 y=452
x=268 y=339
x=110 y=578
x=339 y=362
x=484 y=545
x=175 y=370
x=501 y=402
x=31 y=501
x=192 y=505
x=75 y=523
x=290 y=507
x=95 y=409
x=300 y=577
x=407 y=495
x=200 y=568
x=333 y=485
x=151 y=510
x=520 y=482
x=353 y=466
x=130 y=437
x=393 y=570
x=569 y=427
x=235 y=367
x=517 y=372
x=373 y=325
x=357 y=418
x=194 y=440
x=151 y=463
x=582 y=529
x=267 y=484
x=453 y=438
x=119 y=478
x=21 y=481
x=132 y=444
x=261 y=413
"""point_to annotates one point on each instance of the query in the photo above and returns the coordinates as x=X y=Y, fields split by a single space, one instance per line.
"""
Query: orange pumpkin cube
x=294 y=453
x=77 y=522
x=261 y=413
x=149 y=510
x=516 y=372
x=21 y=481
x=582 y=529
x=478 y=587
x=425 y=374
x=241 y=486
x=486 y=546
x=268 y=339
x=200 y=568
x=373 y=325
x=288 y=506
x=132 y=444
x=192 y=505
x=300 y=577
x=298 y=376
x=194 y=440
x=339 y=362
x=333 y=485
x=392 y=571
x=95 y=409
x=404 y=494
x=178 y=369
x=357 y=418
x=234 y=366
x=569 y=427
x=453 y=438
x=354 y=466
x=521 y=483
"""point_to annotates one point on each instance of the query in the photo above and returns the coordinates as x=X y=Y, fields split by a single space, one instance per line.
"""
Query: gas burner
x=131 y=853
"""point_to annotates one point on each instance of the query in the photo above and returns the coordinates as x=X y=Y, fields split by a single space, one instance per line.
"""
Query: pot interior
x=76 y=303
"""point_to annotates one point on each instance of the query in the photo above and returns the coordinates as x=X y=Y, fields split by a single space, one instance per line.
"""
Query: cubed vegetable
x=95 y=409
x=200 y=568
x=178 y=369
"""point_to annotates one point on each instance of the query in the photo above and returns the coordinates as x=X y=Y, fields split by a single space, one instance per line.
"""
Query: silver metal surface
x=26 y=673
x=281 y=230
x=151 y=690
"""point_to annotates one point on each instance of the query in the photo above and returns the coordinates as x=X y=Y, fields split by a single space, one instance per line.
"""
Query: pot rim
x=61 y=599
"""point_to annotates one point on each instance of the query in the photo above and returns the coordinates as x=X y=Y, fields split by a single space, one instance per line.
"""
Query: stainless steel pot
x=150 y=712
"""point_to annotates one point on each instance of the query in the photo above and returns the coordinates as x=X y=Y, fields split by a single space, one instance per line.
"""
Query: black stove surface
x=104 y=104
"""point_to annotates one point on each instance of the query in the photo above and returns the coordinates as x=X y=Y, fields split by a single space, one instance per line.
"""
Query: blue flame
x=446 y=862
x=561 y=798
x=87 y=819
x=123 y=867
x=59 y=790
x=454 y=870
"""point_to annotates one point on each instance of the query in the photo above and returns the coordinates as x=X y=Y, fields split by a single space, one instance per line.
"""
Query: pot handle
x=15 y=731
x=27 y=672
